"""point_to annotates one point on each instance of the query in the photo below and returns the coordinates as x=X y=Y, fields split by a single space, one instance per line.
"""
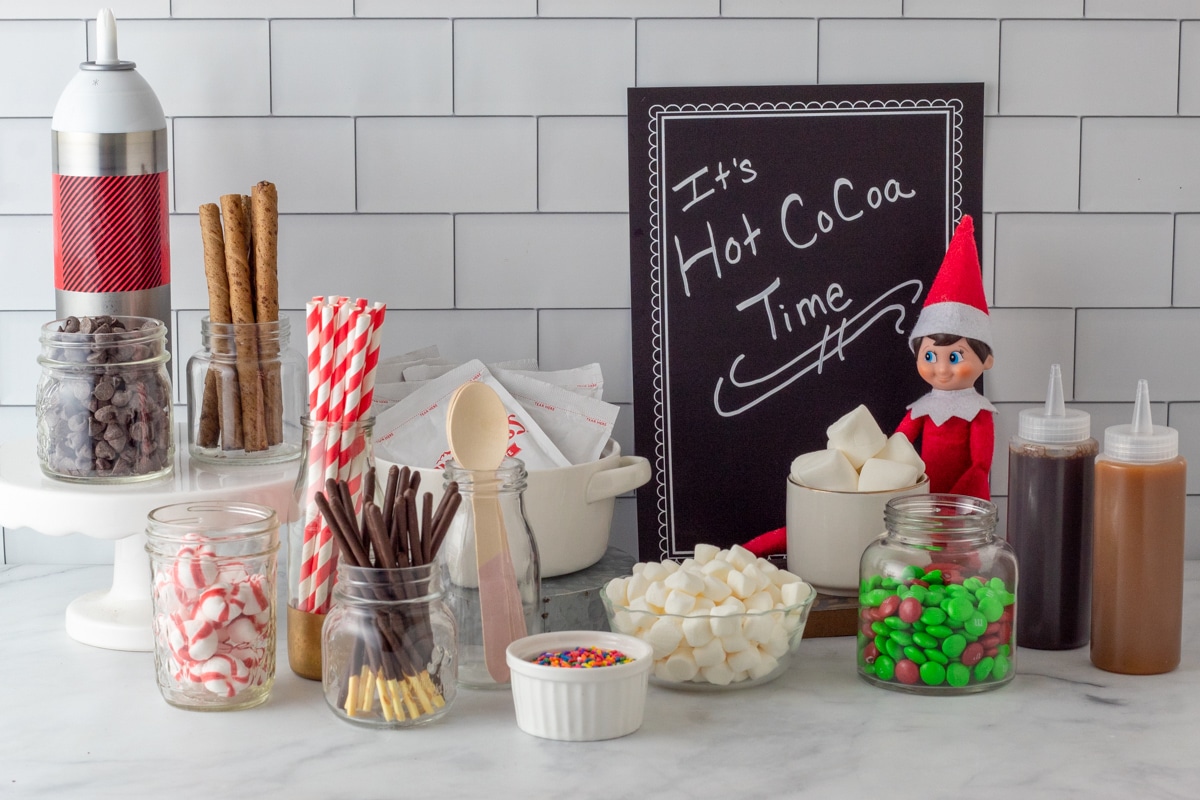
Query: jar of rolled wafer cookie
x=245 y=387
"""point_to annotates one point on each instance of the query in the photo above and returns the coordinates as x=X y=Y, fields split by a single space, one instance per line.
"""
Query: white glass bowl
x=579 y=705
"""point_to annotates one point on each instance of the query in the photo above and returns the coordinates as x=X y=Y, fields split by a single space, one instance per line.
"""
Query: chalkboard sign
x=782 y=243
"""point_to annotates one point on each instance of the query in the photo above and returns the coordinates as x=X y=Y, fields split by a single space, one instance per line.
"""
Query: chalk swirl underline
x=845 y=333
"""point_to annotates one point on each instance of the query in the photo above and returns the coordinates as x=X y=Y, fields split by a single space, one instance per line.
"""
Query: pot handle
x=630 y=473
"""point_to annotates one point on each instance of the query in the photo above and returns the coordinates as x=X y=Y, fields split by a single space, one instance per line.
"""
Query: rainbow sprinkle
x=582 y=658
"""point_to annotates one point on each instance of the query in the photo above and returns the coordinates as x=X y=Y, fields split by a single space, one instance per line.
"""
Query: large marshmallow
x=710 y=653
x=664 y=636
x=766 y=665
x=679 y=602
x=829 y=470
x=879 y=475
x=718 y=674
x=705 y=553
x=685 y=581
x=681 y=665
x=739 y=557
x=745 y=660
x=794 y=593
x=899 y=448
x=857 y=435
x=697 y=631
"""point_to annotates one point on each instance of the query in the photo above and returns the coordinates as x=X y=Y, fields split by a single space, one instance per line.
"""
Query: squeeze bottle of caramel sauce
x=1137 y=586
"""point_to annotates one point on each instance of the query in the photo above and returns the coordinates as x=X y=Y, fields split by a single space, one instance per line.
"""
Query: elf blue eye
x=956 y=358
x=930 y=356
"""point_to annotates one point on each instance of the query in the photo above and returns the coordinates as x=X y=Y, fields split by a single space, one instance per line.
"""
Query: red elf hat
x=956 y=304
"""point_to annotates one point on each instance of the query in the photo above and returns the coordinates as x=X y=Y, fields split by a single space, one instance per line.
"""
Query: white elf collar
x=940 y=405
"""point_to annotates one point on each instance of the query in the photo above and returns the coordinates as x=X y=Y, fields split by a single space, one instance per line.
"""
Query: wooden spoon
x=477 y=430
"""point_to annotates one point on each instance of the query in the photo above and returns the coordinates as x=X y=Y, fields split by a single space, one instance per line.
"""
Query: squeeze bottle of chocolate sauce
x=108 y=142
x=1137 y=578
x=1050 y=497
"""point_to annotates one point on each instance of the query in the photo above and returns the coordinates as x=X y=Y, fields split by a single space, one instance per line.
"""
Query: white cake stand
x=119 y=618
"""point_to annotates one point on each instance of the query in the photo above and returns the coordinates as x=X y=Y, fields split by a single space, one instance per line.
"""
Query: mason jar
x=245 y=394
x=937 y=599
x=213 y=567
x=388 y=647
x=104 y=407
x=489 y=497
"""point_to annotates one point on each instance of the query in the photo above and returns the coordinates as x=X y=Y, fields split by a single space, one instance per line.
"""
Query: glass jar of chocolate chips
x=104 y=400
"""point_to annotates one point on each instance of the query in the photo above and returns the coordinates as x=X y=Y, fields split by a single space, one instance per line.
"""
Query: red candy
x=972 y=655
x=889 y=606
x=907 y=671
x=910 y=609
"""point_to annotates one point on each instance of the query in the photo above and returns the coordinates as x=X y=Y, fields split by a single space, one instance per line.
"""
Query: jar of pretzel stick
x=388 y=647
x=245 y=389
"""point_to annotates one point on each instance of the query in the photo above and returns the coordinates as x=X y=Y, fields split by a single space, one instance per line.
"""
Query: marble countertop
x=77 y=721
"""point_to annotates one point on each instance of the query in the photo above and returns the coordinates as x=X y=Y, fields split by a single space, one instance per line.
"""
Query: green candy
x=911 y=573
x=1007 y=598
x=933 y=673
x=975 y=625
x=875 y=597
x=939 y=631
x=972 y=584
x=998 y=585
x=933 y=576
x=888 y=582
x=933 y=616
x=885 y=668
x=983 y=669
x=880 y=629
x=1004 y=650
x=903 y=637
x=1001 y=667
x=918 y=591
x=896 y=624
x=935 y=597
x=954 y=645
x=895 y=649
x=955 y=590
x=991 y=608
x=958 y=674
x=915 y=654
x=881 y=643
x=933 y=654
x=923 y=639
x=960 y=609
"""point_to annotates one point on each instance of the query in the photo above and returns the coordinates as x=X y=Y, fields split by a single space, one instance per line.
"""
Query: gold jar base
x=304 y=642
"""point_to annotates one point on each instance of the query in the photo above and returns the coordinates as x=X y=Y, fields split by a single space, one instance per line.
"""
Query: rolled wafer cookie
x=264 y=220
x=241 y=306
x=220 y=409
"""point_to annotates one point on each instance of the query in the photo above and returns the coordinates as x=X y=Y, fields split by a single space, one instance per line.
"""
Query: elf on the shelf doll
x=952 y=341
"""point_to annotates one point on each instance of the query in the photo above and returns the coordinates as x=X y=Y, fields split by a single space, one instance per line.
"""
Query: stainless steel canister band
x=103 y=154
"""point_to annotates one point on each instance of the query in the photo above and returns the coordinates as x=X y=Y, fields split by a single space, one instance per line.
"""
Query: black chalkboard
x=782 y=242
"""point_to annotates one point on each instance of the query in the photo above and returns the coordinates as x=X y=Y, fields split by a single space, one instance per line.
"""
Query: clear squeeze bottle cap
x=1141 y=442
x=1054 y=423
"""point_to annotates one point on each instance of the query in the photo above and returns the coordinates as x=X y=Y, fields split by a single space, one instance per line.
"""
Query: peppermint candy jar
x=213 y=567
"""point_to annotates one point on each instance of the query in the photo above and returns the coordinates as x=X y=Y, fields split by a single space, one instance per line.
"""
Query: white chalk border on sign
x=743 y=199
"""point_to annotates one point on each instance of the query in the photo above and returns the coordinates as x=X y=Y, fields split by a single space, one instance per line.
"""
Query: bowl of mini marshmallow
x=722 y=619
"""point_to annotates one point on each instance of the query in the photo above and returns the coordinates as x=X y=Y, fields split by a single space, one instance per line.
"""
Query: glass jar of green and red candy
x=937 y=599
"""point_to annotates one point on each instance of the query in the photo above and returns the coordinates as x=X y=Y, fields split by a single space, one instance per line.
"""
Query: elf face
x=950 y=367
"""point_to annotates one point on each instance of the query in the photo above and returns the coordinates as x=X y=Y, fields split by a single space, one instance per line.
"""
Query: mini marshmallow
x=878 y=475
x=664 y=636
x=780 y=577
x=718 y=674
x=703 y=605
x=759 y=628
x=685 y=581
x=724 y=621
x=857 y=435
x=733 y=603
x=614 y=590
x=637 y=585
x=767 y=664
x=828 y=470
x=656 y=595
x=899 y=448
x=741 y=585
x=760 y=578
x=681 y=666
x=654 y=571
x=705 y=553
x=709 y=654
x=716 y=589
x=688 y=563
x=717 y=568
x=739 y=557
x=759 y=601
x=744 y=660
x=777 y=644
x=735 y=643
x=697 y=631
x=622 y=622
x=794 y=593
x=670 y=566
x=679 y=602
x=766 y=566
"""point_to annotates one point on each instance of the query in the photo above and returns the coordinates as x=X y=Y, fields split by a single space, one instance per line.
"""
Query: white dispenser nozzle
x=106 y=37
x=1142 y=441
x=1054 y=423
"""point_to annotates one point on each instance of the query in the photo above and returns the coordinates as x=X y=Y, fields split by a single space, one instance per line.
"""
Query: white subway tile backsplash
x=543 y=66
x=911 y=51
x=1084 y=260
x=176 y=57
x=1073 y=67
x=445 y=8
x=597 y=182
x=1026 y=342
x=1189 y=68
x=994 y=9
x=1144 y=9
x=361 y=67
x=447 y=164
x=46 y=55
x=726 y=52
x=572 y=337
x=1187 y=260
x=406 y=262
x=19 y=349
x=1116 y=347
x=25 y=166
x=261 y=9
x=1139 y=164
x=27 y=254
x=1185 y=418
x=630 y=8
x=540 y=260
x=83 y=9
x=1006 y=420
x=811 y=8
x=189 y=288
x=987 y=257
x=460 y=335
x=1031 y=164
x=310 y=160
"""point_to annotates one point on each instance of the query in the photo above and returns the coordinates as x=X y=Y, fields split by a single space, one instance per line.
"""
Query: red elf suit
x=955 y=427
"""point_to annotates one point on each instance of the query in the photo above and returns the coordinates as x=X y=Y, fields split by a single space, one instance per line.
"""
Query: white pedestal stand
x=119 y=618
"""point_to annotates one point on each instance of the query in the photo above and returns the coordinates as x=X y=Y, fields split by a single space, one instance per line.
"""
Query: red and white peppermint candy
x=252 y=593
x=194 y=568
x=224 y=675
x=242 y=631
x=219 y=604
x=191 y=639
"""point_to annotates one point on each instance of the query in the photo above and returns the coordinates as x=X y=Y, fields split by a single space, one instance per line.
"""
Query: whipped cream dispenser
x=110 y=196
